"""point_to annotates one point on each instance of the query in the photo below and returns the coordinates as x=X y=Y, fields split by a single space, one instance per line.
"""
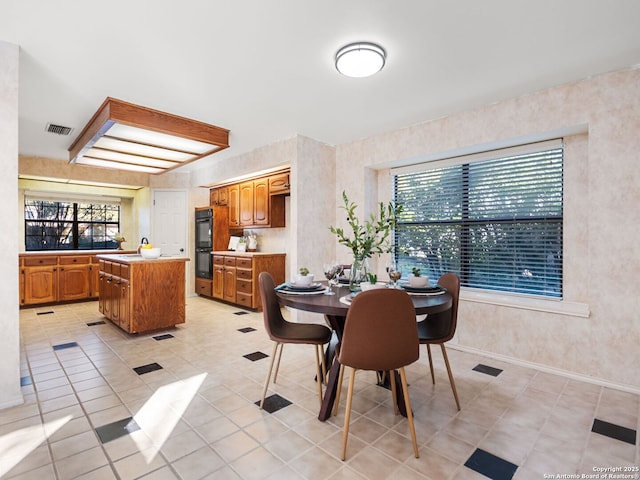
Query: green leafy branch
x=372 y=236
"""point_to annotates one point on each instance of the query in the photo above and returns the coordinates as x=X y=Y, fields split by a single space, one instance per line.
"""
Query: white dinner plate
x=302 y=292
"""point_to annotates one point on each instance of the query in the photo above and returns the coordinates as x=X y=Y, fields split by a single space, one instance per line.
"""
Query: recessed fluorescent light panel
x=130 y=137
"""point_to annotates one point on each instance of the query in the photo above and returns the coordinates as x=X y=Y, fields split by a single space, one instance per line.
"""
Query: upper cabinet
x=234 y=205
x=246 y=204
x=279 y=184
x=259 y=202
x=219 y=196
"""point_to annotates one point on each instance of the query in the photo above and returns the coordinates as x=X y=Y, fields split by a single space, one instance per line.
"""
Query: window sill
x=561 y=307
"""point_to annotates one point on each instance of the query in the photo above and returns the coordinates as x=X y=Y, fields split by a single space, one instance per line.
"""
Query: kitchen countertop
x=75 y=252
x=137 y=258
x=244 y=254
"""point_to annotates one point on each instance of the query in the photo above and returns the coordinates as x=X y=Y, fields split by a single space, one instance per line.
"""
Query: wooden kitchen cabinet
x=246 y=204
x=261 y=202
x=219 y=196
x=218 y=277
x=279 y=184
x=140 y=295
x=235 y=276
x=204 y=286
x=74 y=277
x=234 y=205
x=229 y=282
x=59 y=277
x=40 y=284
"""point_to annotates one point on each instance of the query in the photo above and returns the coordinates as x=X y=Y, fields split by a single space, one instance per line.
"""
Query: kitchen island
x=141 y=295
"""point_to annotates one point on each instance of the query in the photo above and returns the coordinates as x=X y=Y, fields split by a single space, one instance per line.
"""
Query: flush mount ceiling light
x=360 y=59
x=130 y=137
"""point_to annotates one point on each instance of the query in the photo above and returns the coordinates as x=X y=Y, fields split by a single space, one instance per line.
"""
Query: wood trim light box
x=130 y=137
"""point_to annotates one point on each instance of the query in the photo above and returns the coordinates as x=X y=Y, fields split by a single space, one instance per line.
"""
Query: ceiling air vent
x=58 y=129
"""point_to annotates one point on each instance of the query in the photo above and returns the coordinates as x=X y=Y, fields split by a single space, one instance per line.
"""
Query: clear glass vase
x=359 y=273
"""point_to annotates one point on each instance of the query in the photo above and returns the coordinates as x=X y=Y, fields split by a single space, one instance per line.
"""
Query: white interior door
x=170 y=221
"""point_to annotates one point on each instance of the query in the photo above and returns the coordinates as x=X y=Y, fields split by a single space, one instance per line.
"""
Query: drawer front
x=244 y=263
x=75 y=260
x=244 y=274
x=204 y=287
x=38 y=261
x=230 y=261
x=244 y=286
x=124 y=271
x=244 y=300
x=218 y=260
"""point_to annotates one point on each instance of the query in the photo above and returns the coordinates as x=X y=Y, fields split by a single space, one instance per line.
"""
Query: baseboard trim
x=547 y=369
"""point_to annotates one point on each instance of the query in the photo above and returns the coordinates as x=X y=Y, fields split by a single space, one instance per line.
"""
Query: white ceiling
x=264 y=69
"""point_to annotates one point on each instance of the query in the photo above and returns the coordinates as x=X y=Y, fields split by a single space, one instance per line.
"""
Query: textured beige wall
x=10 y=393
x=602 y=191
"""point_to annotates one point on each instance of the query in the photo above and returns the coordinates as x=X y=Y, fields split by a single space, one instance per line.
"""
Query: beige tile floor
x=198 y=419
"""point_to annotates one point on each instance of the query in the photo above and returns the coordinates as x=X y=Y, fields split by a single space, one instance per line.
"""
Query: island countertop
x=137 y=258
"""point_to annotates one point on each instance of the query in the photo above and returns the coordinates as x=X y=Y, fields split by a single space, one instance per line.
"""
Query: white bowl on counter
x=150 y=252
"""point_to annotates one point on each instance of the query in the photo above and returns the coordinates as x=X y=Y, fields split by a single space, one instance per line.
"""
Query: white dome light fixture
x=361 y=59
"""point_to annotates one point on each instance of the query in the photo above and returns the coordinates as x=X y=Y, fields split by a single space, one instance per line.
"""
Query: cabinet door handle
x=61 y=269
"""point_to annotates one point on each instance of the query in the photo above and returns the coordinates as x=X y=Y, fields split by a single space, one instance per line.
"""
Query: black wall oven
x=204 y=243
x=204 y=228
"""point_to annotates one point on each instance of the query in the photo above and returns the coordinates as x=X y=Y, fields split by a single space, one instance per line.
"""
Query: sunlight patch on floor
x=15 y=446
x=159 y=415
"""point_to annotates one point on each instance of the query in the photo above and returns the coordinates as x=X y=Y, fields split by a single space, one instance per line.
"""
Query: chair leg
x=338 y=391
x=318 y=371
x=392 y=382
x=407 y=402
x=347 y=413
x=433 y=378
x=275 y=375
x=324 y=365
x=266 y=382
x=451 y=381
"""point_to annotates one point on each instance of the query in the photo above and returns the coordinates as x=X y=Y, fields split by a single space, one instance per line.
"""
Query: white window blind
x=496 y=221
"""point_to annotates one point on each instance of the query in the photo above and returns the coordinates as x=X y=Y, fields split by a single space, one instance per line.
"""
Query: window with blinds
x=494 y=219
x=66 y=225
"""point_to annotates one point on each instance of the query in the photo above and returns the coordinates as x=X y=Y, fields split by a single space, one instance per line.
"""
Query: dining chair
x=380 y=334
x=282 y=331
x=439 y=328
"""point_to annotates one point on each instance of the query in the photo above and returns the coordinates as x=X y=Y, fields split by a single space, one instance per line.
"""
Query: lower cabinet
x=235 y=276
x=58 y=278
x=40 y=285
x=74 y=278
x=204 y=287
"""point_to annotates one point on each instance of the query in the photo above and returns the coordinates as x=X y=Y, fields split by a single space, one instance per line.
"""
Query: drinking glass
x=394 y=273
x=339 y=271
x=330 y=272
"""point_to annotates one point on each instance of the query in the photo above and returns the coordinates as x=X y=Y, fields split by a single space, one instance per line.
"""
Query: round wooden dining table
x=335 y=308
